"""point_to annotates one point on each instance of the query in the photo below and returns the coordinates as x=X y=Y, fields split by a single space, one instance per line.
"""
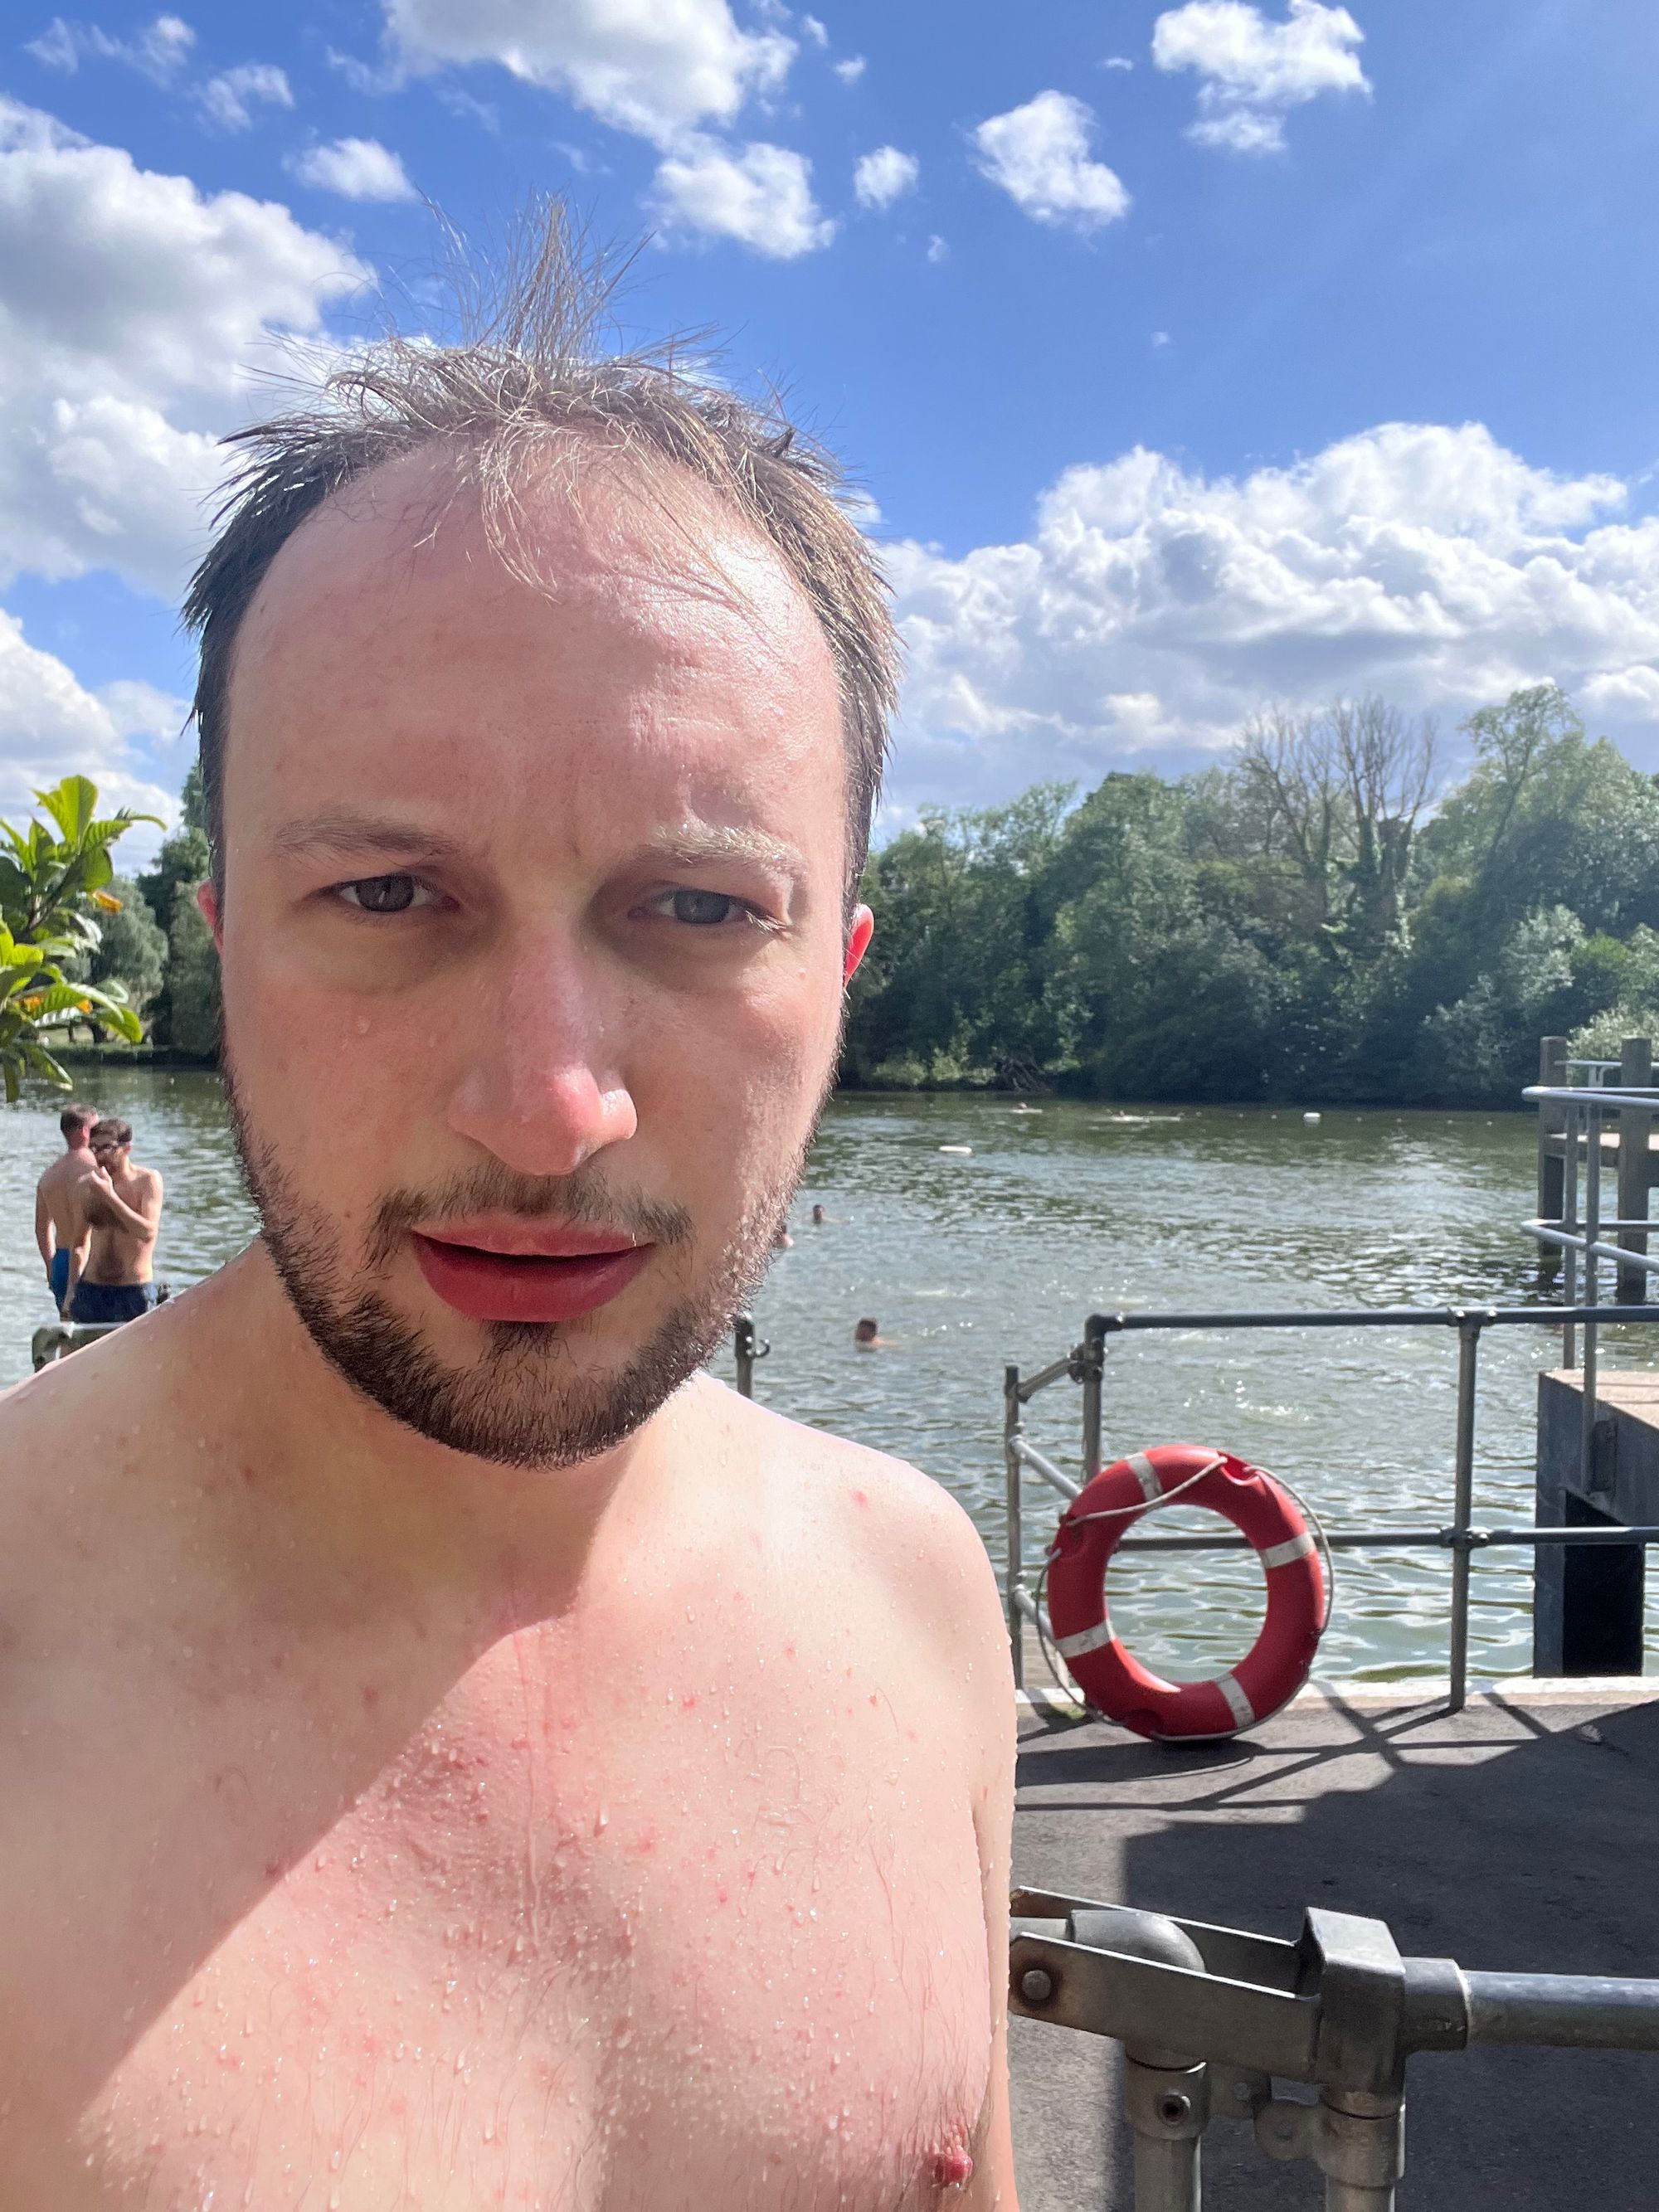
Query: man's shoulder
x=890 y=1523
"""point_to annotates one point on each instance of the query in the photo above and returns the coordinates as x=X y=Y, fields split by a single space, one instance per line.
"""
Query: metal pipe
x=1167 y=2174
x=1045 y=1467
x=1016 y=1569
x=1592 y=1234
x=1610 y=1094
x=1570 y=1213
x=746 y=1349
x=1468 y=1354
x=1388 y=1539
x=1052 y=1373
x=1579 y=2012
x=1093 y=1365
x=1128 y=1324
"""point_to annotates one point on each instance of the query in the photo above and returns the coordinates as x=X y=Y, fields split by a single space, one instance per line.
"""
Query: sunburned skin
x=679 y=1900
x=388 y=1826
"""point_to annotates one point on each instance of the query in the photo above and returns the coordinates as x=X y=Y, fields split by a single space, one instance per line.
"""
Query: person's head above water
x=867 y=1332
x=111 y=1137
x=542 y=709
x=76 y=1123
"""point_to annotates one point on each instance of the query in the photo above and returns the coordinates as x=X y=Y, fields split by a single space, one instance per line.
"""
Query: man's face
x=533 y=944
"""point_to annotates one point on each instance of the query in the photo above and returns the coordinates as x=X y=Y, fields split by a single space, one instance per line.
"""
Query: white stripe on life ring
x=1238 y=1705
x=1146 y=1474
x=1087 y=1639
x=1293 y=1547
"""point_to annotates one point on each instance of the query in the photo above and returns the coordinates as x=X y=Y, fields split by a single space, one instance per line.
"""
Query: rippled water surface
x=969 y=1259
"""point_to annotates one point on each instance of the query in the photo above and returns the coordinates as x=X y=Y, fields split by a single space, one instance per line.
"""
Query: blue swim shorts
x=60 y=1259
x=111 y=1301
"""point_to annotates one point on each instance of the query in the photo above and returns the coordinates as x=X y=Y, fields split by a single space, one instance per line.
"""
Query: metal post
x=1469 y=1353
x=1635 y=1073
x=1592 y=1237
x=1015 y=1575
x=1551 y=1124
x=1094 y=1377
x=743 y=1351
x=1570 y=1219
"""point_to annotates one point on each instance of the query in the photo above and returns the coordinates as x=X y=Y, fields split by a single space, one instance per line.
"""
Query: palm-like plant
x=52 y=879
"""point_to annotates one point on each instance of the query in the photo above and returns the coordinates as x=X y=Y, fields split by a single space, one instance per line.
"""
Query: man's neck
x=370 y=1502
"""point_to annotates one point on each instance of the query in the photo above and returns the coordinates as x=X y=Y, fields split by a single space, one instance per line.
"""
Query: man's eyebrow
x=692 y=847
x=345 y=832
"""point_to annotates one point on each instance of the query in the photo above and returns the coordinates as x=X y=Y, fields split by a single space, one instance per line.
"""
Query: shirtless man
x=456 y=1753
x=111 y=1275
x=60 y=1230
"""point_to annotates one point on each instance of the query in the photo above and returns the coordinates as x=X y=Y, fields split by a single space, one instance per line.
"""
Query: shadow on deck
x=1518 y=1835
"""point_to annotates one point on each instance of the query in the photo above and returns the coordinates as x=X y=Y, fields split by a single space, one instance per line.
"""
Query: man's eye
x=703 y=909
x=385 y=894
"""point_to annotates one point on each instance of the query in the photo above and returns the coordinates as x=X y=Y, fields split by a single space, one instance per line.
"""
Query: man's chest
x=728 y=1954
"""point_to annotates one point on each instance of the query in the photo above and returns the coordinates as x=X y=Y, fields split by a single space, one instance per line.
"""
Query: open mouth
x=529 y=1286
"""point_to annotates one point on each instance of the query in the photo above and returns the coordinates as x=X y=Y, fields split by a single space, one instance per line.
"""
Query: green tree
x=194 y=1009
x=54 y=879
x=133 y=952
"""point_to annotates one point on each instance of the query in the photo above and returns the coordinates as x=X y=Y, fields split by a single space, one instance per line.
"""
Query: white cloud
x=761 y=195
x=132 y=306
x=225 y=98
x=1152 y=609
x=159 y=51
x=657 y=71
x=1160 y=337
x=1117 y=62
x=51 y=726
x=815 y=31
x=851 y=70
x=1039 y=154
x=884 y=176
x=937 y=249
x=1251 y=72
x=355 y=168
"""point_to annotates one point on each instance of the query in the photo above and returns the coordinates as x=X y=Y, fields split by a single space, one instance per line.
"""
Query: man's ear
x=858 y=942
x=206 y=898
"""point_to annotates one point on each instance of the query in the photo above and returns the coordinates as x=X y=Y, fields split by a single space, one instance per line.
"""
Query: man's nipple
x=952 y=2169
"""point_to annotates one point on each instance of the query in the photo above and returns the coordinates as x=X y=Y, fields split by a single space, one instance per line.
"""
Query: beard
x=525 y=1402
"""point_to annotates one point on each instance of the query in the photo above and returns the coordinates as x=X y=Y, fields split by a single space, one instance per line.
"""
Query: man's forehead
x=659 y=557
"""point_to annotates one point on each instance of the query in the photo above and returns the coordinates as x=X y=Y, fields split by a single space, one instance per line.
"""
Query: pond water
x=970 y=1259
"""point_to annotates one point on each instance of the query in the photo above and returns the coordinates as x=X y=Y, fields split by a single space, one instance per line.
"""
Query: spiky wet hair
x=528 y=379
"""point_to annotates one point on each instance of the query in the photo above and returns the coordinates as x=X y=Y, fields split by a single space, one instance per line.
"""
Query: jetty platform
x=1517 y=1835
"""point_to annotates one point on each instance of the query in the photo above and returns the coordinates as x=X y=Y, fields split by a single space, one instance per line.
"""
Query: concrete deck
x=1520 y=1834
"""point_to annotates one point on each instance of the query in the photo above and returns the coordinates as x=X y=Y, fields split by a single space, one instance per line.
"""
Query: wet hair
x=865 y=1330
x=74 y=1119
x=112 y=1130
x=529 y=384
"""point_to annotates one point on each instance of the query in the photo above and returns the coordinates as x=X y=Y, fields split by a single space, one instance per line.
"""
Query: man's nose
x=543 y=1087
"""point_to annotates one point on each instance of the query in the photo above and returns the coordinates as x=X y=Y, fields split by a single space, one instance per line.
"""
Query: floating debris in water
x=965 y=1150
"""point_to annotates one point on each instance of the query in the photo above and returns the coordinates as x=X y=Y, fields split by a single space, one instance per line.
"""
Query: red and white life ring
x=1278 y=1662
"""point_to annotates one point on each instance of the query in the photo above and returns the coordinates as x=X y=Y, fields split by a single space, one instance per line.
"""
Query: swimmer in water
x=867 y=1337
x=819 y=1217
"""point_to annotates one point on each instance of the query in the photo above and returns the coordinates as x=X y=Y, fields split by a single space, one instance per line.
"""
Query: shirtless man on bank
x=455 y=1753
x=60 y=1230
x=111 y=1273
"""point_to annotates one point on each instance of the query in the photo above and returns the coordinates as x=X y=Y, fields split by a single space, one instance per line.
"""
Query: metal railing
x=1582 y=1113
x=1086 y=1365
x=1209 y=2017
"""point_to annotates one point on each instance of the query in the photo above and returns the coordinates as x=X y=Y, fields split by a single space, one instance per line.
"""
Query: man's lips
x=527 y=1273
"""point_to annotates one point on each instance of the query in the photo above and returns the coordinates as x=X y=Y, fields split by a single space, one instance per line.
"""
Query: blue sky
x=1193 y=356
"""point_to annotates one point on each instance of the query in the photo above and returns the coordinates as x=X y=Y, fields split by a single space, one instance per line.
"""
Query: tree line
x=1321 y=917
x=158 y=947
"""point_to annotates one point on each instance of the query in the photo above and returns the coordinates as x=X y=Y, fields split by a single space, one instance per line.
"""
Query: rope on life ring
x=1263 y=1510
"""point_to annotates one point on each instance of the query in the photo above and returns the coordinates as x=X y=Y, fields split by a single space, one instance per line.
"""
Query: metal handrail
x=1086 y=1365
